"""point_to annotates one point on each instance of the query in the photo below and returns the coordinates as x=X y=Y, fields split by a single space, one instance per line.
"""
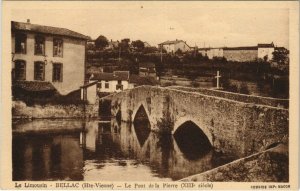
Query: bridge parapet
x=260 y=100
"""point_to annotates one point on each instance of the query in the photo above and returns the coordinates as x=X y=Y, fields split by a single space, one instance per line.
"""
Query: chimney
x=28 y=20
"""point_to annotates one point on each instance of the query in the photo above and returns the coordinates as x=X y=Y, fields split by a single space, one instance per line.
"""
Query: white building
x=91 y=92
x=112 y=82
x=215 y=52
x=174 y=46
x=242 y=54
x=48 y=54
x=211 y=52
x=265 y=50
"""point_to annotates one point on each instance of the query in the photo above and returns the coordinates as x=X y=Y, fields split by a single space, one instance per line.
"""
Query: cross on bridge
x=218 y=79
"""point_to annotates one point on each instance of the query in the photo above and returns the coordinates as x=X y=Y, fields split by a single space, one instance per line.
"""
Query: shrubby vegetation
x=193 y=65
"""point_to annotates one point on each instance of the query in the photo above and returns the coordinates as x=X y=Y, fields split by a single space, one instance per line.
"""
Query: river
x=103 y=151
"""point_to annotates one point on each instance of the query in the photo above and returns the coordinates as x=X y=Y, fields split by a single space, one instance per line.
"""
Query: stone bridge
x=233 y=123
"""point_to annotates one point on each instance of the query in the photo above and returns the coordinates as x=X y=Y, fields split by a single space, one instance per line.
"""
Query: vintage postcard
x=149 y=95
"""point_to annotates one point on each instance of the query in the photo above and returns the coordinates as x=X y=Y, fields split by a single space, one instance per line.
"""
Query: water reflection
x=47 y=157
x=105 y=151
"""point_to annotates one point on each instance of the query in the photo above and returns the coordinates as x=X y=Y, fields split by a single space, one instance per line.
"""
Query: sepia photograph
x=150 y=95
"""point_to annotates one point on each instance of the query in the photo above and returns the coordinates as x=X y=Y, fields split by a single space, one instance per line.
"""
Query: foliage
x=147 y=50
x=179 y=52
x=244 y=88
x=281 y=55
x=195 y=84
x=227 y=86
x=192 y=75
x=125 y=44
x=90 y=47
x=219 y=59
x=138 y=44
x=101 y=42
x=48 y=98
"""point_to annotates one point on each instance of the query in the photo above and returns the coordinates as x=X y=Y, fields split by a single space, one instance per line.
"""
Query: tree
x=125 y=44
x=244 y=89
x=179 y=52
x=138 y=44
x=281 y=55
x=150 y=50
x=101 y=42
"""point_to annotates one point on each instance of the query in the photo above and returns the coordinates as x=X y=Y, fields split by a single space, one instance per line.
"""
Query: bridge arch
x=182 y=120
x=137 y=109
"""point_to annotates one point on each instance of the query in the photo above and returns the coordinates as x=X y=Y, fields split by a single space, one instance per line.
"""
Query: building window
x=39 y=45
x=39 y=71
x=20 y=70
x=20 y=43
x=119 y=86
x=57 y=72
x=99 y=85
x=106 y=84
x=58 y=47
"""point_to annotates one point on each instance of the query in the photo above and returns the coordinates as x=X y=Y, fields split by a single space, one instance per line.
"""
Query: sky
x=155 y=23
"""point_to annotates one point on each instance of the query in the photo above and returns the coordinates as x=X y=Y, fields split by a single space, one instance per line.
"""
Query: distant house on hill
x=48 y=56
x=265 y=51
x=174 y=46
x=147 y=69
x=204 y=51
x=240 y=54
x=211 y=52
x=146 y=44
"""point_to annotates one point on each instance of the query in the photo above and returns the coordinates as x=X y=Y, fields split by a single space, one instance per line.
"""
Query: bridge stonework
x=233 y=127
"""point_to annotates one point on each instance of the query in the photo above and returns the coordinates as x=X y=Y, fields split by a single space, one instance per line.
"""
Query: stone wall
x=21 y=110
x=240 y=55
x=268 y=166
x=231 y=126
x=274 y=102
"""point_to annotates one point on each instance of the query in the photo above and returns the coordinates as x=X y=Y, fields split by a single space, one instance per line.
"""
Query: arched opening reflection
x=141 y=125
x=104 y=108
x=192 y=141
x=119 y=117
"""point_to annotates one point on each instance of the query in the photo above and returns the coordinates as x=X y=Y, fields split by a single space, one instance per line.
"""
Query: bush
x=244 y=89
x=195 y=84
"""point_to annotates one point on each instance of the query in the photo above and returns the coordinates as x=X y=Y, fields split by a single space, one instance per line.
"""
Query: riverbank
x=271 y=165
x=46 y=126
x=22 y=111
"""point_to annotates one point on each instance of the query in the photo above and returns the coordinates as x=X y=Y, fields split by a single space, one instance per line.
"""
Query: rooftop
x=171 y=42
x=117 y=75
x=122 y=74
x=241 y=48
x=35 y=86
x=271 y=45
x=46 y=30
x=136 y=79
